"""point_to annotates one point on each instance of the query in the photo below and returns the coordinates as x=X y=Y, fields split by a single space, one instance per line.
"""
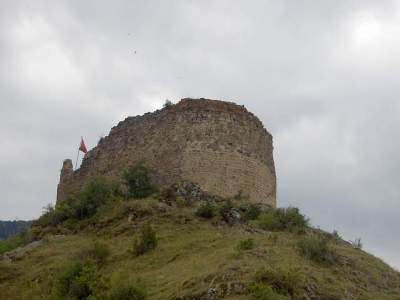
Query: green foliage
x=284 y=282
x=261 y=291
x=95 y=194
x=5 y=246
x=246 y=244
x=251 y=212
x=22 y=238
x=53 y=216
x=206 y=210
x=97 y=252
x=283 y=219
x=81 y=280
x=316 y=247
x=137 y=179
x=127 y=292
x=146 y=242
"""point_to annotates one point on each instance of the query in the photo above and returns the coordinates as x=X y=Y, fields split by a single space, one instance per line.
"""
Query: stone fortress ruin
x=218 y=146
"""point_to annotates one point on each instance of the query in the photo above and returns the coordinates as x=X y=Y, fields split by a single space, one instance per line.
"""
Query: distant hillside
x=8 y=228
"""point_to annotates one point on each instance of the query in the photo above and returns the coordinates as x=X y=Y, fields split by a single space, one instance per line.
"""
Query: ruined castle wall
x=218 y=145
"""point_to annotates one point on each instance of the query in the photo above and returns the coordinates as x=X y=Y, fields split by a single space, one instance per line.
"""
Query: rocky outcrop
x=219 y=146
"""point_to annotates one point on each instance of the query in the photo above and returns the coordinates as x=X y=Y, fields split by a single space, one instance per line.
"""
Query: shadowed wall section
x=218 y=145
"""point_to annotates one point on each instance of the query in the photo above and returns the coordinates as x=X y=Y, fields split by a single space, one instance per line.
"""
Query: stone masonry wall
x=218 y=145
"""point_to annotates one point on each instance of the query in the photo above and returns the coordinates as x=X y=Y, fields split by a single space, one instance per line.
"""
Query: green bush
x=251 y=212
x=97 y=252
x=137 y=179
x=95 y=194
x=81 y=280
x=127 y=292
x=284 y=282
x=52 y=216
x=261 y=291
x=206 y=210
x=147 y=241
x=281 y=219
x=316 y=247
x=81 y=205
x=246 y=244
x=47 y=218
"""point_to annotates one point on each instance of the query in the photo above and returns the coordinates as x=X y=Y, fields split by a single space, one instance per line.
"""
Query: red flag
x=82 y=146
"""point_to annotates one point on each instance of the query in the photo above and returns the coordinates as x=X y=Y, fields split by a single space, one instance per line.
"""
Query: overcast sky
x=323 y=76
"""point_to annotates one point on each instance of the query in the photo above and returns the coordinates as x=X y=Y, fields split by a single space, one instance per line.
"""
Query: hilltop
x=165 y=245
x=180 y=204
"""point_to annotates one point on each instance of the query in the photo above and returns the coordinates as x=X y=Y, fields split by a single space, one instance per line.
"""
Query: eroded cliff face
x=217 y=145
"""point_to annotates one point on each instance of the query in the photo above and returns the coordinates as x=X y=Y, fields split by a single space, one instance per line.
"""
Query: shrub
x=289 y=219
x=316 y=247
x=80 y=280
x=147 y=241
x=97 y=252
x=95 y=194
x=137 y=180
x=261 y=291
x=81 y=205
x=246 y=244
x=251 y=212
x=127 y=292
x=52 y=216
x=206 y=210
x=288 y=283
x=167 y=103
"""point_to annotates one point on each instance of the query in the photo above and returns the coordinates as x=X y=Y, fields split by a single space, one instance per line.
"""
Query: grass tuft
x=316 y=247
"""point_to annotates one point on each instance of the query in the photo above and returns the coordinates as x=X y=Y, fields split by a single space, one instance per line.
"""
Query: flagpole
x=77 y=156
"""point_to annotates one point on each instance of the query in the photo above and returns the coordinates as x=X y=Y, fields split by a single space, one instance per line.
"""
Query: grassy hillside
x=140 y=244
x=195 y=257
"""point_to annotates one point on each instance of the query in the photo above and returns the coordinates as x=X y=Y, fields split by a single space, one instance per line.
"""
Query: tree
x=138 y=181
